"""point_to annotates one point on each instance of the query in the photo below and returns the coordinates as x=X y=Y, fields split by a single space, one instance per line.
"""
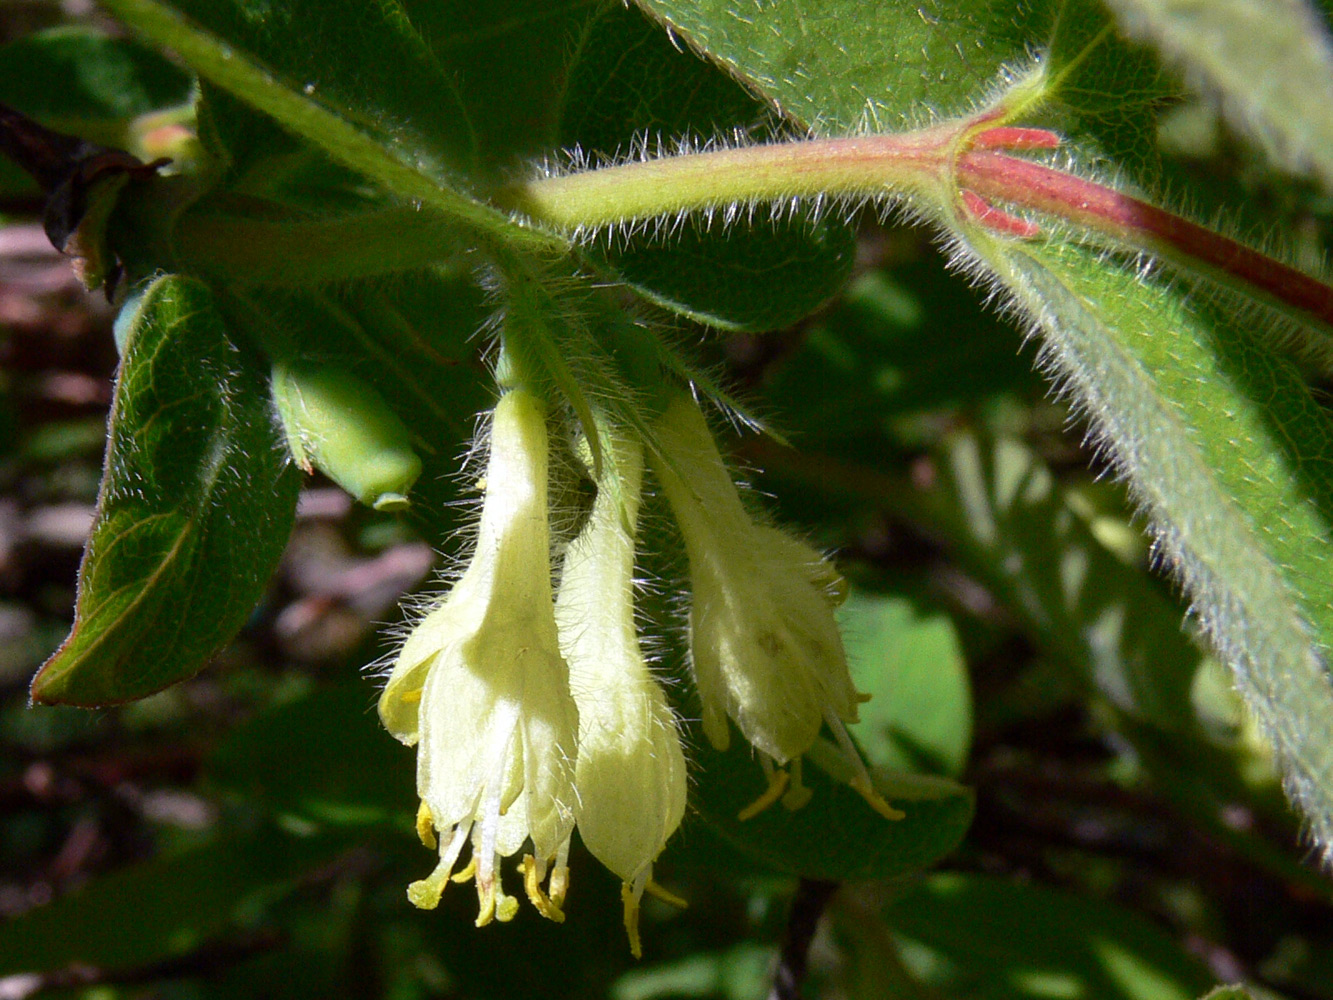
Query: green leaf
x=161 y=908
x=104 y=82
x=195 y=507
x=628 y=87
x=988 y=938
x=1236 y=992
x=510 y=59
x=920 y=714
x=392 y=115
x=1270 y=61
x=839 y=66
x=836 y=835
x=338 y=764
x=1230 y=457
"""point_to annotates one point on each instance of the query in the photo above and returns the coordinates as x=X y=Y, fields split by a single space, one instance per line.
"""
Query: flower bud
x=630 y=772
x=339 y=424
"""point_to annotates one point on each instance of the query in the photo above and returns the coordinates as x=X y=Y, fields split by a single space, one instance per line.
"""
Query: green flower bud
x=337 y=423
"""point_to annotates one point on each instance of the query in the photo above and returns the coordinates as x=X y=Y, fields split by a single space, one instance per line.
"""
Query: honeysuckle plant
x=312 y=246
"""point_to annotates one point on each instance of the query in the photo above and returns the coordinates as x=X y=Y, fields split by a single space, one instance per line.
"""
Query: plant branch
x=1131 y=221
x=261 y=252
x=951 y=172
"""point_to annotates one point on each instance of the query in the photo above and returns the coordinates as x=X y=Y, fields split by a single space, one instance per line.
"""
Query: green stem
x=257 y=252
x=864 y=166
x=949 y=171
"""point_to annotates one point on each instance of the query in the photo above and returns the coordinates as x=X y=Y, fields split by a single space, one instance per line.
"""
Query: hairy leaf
x=195 y=507
x=900 y=59
x=629 y=89
x=1230 y=457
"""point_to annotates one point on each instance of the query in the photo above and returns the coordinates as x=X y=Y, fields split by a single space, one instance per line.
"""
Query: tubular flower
x=482 y=689
x=630 y=771
x=764 y=644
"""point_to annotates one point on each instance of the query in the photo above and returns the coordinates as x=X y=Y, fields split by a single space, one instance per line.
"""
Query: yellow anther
x=777 y=784
x=558 y=884
x=544 y=904
x=506 y=909
x=797 y=794
x=410 y=697
x=467 y=872
x=873 y=799
x=486 y=909
x=426 y=826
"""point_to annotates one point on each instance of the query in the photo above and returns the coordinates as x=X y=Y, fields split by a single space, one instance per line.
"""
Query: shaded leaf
x=104 y=82
x=510 y=59
x=1102 y=616
x=161 y=908
x=919 y=717
x=195 y=507
x=338 y=765
x=1270 y=61
x=836 y=835
x=1231 y=457
x=629 y=87
x=390 y=114
x=985 y=937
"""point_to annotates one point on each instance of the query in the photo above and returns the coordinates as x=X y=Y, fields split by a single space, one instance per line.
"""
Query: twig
x=811 y=899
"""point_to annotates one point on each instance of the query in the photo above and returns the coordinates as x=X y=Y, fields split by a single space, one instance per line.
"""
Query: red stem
x=1030 y=185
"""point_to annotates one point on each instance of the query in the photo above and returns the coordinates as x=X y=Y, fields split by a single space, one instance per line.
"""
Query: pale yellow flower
x=630 y=772
x=482 y=689
x=764 y=644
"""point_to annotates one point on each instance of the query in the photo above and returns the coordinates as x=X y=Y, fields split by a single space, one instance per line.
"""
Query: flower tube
x=481 y=688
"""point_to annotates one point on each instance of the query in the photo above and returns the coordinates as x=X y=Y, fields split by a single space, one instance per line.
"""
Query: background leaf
x=919 y=717
x=1229 y=454
x=165 y=907
x=629 y=87
x=195 y=507
x=1270 y=62
x=106 y=82
x=981 y=937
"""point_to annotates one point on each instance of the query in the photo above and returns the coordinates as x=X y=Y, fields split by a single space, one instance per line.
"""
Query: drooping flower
x=482 y=689
x=630 y=772
x=764 y=644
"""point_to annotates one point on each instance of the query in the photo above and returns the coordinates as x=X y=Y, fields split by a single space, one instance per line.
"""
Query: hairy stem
x=949 y=171
x=1140 y=225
